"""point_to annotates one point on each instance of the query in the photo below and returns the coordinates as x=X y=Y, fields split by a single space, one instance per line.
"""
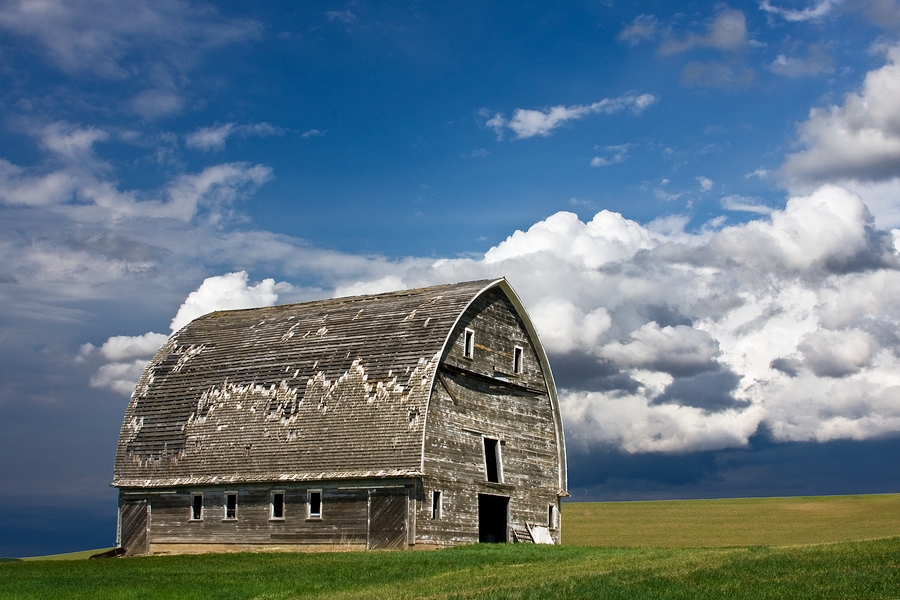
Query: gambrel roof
x=320 y=390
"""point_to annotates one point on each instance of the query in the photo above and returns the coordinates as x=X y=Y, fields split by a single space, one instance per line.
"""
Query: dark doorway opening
x=493 y=518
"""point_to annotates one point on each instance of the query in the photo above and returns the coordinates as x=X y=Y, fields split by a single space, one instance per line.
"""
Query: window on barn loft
x=517 y=360
x=314 y=504
x=469 y=344
x=492 y=465
x=197 y=507
x=436 y=504
x=230 y=506
x=276 y=508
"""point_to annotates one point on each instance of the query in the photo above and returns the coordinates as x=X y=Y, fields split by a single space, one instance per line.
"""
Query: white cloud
x=120 y=377
x=528 y=123
x=706 y=183
x=214 y=137
x=120 y=347
x=209 y=138
x=816 y=11
x=744 y=204
x=84 y=188
x=859 y=140
x=666 y=340
x=668 y=349
x=670 y=341
x=226 y=292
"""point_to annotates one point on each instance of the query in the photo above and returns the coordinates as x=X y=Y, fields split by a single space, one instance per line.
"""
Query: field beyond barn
x=732 y=521
x=816 y=563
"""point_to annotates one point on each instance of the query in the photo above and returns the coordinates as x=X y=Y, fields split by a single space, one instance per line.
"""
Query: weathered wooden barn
x=419 y=418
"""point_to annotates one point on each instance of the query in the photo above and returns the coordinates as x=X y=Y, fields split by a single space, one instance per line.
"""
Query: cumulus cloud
x=120 y=347
x=858 y=140
x=669 y=341
x=663 y=340
x=226 y=292
x=526 y=123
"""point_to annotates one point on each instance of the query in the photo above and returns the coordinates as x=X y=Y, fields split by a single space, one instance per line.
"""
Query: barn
x=413 y=419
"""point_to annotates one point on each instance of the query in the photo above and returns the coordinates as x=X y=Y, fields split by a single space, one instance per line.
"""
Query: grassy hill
x=812 y=564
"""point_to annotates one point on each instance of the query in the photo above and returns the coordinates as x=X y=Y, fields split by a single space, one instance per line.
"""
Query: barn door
x=388 y=510
x=135 y=519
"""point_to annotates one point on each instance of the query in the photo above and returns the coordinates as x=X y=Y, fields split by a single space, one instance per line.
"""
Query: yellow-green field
x=731 y=522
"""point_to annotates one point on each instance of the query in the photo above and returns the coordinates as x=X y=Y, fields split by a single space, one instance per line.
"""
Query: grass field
x=812 y=564
x=732 y=522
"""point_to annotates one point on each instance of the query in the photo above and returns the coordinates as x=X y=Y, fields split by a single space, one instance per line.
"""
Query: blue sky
x=697 y=202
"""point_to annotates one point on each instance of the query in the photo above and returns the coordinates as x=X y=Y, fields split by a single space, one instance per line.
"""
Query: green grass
x=848 y=570
x=824 y=547
x=732 y=522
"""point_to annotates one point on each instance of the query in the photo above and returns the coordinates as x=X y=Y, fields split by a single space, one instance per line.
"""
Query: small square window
x=277 y=506
x=436 y=505
x=197 y=507
x=517 y=360
x=315 y=504
x=230 y=506
x=469 y=344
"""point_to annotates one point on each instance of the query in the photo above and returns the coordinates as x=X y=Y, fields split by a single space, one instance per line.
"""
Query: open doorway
x=493 y=518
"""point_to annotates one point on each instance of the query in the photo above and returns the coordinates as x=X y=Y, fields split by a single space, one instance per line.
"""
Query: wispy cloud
x=815 y=63
x=727 y=32
x=214 y=137
x=526 y=123
x=643 y=28
x=745 y=204
x=151 y=43
x=810 y=13
x=614 y=155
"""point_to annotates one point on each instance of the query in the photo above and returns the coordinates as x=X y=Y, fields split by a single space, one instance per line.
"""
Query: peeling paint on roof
x=276 y=394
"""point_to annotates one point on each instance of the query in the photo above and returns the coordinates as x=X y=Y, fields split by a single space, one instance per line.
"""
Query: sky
x=697 y=202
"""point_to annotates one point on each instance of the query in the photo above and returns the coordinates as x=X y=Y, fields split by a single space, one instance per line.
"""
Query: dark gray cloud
x=712 y=391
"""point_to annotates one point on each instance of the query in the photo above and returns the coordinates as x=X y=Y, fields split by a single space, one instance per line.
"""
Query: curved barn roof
x=329 y=389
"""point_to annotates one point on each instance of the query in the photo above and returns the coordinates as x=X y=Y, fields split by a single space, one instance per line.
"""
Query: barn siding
x=344 y=522
x=480 y=397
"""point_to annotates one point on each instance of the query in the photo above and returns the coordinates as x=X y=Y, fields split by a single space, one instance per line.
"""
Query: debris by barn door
x=388 y=511
x=540 y=534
